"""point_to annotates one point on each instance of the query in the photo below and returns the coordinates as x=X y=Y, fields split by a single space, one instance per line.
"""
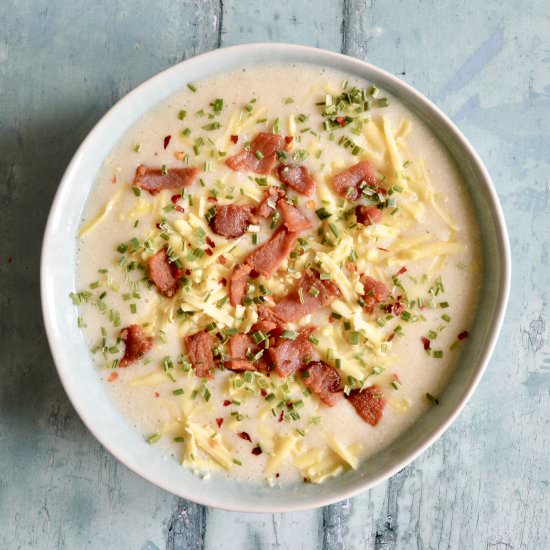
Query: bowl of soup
x=272 y=276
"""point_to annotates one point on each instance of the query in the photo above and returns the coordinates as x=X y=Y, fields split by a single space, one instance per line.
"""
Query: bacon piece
x=199 y=348
x=153 y=180
x=375 y=292
x=296 y=177
x=324 y=381
x=291 y=309
x=239 y=345
x=267 y=258
x=261 y=155
x=272 y=195
x=164 y=273
x=136 y=344
x=369 y=403
x=293 y=219
x=231 y=220
x=368 y=215
x=237 y=283
x=347 y=183
x=289 y=356
x=268 y=321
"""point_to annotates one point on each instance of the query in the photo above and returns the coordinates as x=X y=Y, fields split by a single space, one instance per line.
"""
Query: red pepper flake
x=209 y=251
x=263 y=392
x=256 y=451
x=167 y=141
x=188 y=272
x=223 y=281
x=396 y=377
x=179 y=208
x=157 y=225
x=113 y=180
x=210 y=242
x=341 y=120
x=426 y=343
x=175 y=198
x=277 y=474
x=219 y=422
x=307 y=480
x=390 y=337
x=464 y=334
x=351 y=267
x=211 y=199
x=289 y=139
x=222 y=259
x=402 y=270
x=10 y=259
x=382 y=249
x=245 y=436
x=234 y=138
x=226 y=403
x=157 y=394
x=112 y=377
x=282 y=416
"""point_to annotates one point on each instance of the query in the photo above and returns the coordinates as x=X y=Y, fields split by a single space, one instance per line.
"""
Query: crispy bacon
x=164 y=273
x=289 y=356
x=324 y=381
x=136 y=343
x=292 y=308
x=154 y=180
x=369 y=403
x=199 y=348
x=296 y=177
x=268 y=321
x=231 y=220
x=375 y=292
x=237 y=283
x=261 y=155
x=292 y=217
x=266 y=207
x=267 y=258
x=239 y=346
x=368 y=215
x=347 y=183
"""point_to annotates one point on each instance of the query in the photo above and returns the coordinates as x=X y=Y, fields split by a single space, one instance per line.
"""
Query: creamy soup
x=278 y=267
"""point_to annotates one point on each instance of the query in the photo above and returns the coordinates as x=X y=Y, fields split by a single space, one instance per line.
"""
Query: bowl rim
x=304 y=54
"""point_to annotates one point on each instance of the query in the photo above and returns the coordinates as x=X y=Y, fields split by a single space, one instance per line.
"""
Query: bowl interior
x=71 y=354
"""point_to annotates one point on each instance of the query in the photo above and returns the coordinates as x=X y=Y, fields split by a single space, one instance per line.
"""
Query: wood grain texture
x=485 y=483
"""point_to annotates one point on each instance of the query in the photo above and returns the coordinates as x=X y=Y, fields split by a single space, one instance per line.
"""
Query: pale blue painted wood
x=485 y=484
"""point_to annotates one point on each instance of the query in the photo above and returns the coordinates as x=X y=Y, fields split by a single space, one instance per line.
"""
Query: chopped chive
x=259 y=155
x=153 y=438
x=137 y=148
x=382 y=102
x=301 y=295
x=289 y=335
x=325 y=276
x=192 y=87
x=179 y=391
x=323 y=213
x=354 y=338
x=395 y=384
x=444 y=305
x=182 y=114
x=212 y=126
x=164 y=170
x=133 y=308
x=314 y=291
x=137 y=191
x=179 y=439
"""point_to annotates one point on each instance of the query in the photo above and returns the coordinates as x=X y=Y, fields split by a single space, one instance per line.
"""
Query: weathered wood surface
x=485 y=484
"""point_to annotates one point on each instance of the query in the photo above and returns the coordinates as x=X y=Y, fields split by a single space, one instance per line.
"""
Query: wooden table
x=485 y=484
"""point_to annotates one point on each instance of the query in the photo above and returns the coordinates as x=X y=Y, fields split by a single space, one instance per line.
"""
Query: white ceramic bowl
x=71 y=354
